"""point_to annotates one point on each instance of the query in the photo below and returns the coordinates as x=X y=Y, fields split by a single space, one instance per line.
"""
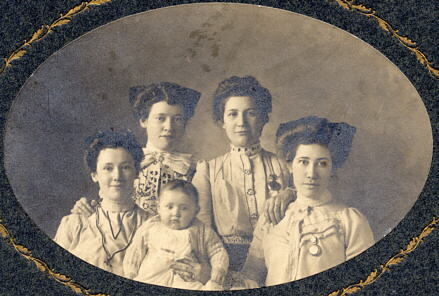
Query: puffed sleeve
x=136 y=252
x=201 y=181
x=358 y=234
x=68 y=233
x=218 y=257
x=254 y=267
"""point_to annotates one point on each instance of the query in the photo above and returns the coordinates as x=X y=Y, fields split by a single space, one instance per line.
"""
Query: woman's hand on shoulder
x=84 y=207
x=276 y=205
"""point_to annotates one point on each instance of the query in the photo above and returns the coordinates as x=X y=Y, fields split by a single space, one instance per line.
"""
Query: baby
x=175 y=234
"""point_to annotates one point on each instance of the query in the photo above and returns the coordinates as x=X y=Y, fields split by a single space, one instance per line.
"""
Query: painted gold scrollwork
x=404 y=40
x=45 y=30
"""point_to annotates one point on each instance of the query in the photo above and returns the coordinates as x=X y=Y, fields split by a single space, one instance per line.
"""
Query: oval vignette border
x=350 y=5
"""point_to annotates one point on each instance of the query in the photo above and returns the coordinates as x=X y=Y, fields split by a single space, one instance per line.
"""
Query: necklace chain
x=108 y=254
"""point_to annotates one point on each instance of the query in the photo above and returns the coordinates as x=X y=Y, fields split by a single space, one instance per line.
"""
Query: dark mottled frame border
x=350 y=5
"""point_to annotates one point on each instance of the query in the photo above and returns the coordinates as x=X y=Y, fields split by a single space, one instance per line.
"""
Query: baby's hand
x=187 y=269
x=84 y=207
x=212 y=286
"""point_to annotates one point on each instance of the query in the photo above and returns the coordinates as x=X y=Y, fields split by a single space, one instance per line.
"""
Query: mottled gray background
x=310 y=67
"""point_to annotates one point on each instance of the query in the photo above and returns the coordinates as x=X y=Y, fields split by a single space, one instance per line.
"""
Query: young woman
x=163 y=110
x=113 y=159
x=317 y=232
x=234 y=187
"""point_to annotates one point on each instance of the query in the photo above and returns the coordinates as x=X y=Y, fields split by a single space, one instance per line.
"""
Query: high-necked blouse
x=102 y=238
x=312 y=237
x=233 y=188
x=158 y=168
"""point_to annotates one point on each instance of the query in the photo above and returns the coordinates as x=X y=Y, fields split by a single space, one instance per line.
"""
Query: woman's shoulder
x=77 y=219
x=216 y=162
x=149 y=224
x=276 y=161
x=201 y=228
x=346 y=213
x=72 y=225
x=198 y=226
x=268 y=153
x=219 y=158
x=141 y=213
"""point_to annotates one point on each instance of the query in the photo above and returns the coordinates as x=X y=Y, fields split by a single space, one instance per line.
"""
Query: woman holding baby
x=239 y=192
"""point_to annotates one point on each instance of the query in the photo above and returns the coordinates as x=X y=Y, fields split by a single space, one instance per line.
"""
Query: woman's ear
x=94 y=177
x=143 y=122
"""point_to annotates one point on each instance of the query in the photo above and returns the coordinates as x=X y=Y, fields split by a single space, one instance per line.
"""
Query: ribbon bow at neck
x=178 y=162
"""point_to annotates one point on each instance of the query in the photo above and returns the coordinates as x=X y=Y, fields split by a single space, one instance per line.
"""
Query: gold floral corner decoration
x=404 y=40
x=42 y=266
x=378 y=272
x=45 y=30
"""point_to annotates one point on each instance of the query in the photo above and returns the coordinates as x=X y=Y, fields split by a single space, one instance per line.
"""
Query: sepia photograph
x=217 y=146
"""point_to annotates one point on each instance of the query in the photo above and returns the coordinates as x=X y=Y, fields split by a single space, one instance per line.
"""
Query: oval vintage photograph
x=217 y=146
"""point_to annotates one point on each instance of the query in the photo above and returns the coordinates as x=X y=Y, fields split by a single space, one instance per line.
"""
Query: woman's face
x=311 y=169
x=242 y=121
x=165 y=125
x=115 y=174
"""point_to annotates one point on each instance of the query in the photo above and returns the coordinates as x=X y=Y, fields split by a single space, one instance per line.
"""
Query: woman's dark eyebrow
x=249 y=109
x=166 y=114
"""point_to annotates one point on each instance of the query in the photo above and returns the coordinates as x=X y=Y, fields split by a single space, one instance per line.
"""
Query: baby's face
x=176 y=209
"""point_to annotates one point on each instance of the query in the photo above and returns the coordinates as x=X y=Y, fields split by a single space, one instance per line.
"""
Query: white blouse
x=102 y=238
x=313 y=236
x=233 y=189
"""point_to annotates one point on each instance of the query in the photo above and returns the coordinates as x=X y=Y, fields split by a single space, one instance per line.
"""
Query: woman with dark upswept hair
x=317 y=232
x=234 y=187
x=113 y=159
x=163 y=109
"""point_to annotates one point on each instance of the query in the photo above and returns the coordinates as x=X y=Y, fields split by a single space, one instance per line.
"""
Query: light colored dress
x=233 y=189
x=313 y=236
x=158 y=168
x=102 y=238
x=155 y=247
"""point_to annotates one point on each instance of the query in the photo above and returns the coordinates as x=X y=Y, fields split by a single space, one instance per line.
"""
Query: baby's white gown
x=165 y=246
